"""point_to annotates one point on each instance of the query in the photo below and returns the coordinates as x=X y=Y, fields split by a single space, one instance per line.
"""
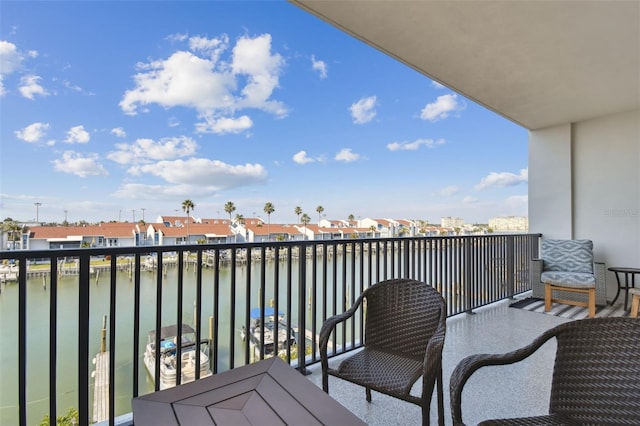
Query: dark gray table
x=628 y=273
x=269 y=392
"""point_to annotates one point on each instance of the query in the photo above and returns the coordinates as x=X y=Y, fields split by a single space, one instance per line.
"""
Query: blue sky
x=109 y=108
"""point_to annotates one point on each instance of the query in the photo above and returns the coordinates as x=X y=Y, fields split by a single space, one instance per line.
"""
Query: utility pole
x=143 y=209
x=65 y=217
x=133 y=213
x=37 y=211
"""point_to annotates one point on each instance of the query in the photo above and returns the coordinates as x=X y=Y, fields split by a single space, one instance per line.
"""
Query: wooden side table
x=629 y=278
x=269 y=392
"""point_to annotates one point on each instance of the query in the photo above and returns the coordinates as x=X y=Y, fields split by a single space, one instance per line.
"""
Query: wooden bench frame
x=635 y=303
x=550 y=287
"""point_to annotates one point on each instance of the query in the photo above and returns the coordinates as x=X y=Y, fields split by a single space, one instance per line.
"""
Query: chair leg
x=635 y=305
x=325 y=381
x=592 y=303
x=547 y=297
x=440 y=397
x=368 y=394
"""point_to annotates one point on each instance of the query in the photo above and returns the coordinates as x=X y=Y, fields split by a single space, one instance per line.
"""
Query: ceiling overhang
x=537 y=63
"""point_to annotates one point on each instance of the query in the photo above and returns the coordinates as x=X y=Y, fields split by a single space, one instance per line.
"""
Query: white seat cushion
x=569 y=279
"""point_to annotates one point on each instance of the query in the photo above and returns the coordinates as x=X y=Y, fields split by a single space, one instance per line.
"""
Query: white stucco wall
x=607 y=187
x=550 y=191
x=584 y=182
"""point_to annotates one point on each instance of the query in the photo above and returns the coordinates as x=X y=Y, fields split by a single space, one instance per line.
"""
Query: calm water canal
x=38 y=302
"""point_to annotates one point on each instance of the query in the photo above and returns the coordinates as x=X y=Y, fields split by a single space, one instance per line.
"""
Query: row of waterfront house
x=180 y=230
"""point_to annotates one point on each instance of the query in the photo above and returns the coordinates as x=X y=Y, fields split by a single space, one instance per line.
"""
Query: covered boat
x=169 y=354
x=286 y=334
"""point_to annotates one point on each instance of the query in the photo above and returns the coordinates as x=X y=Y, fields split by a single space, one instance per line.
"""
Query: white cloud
x=175 y=38
x=363 y=111
x=302 y=158
x=214 y=174
x=10 y=60
x=210 y=85
x=33 y=132
x=441 y=108
x=517 y=202
x=30 y=86
x=319 y=66
x=77 y=134
x=469 y=200
x=449 y=190
x=223 y=125
x=76 y=88
x=79 y=165
x=213 y=47
x=412 y=146
x=252 y=58
x=119 y=132
x=148 y=150
x=436 y=85
x=183 y=79
x=10 y=57
x=138 y=191
x=347 y=155
x=503 y=179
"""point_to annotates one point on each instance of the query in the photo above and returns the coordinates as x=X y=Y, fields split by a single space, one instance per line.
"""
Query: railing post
x=302 y=323
x=22 y=341
x=510 y=266
x=468 y=285
x=406 y=256
x=83 y=339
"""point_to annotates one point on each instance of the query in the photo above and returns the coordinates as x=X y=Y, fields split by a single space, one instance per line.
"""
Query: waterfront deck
x=463 y=269
x=493 y=392
x=506 y=391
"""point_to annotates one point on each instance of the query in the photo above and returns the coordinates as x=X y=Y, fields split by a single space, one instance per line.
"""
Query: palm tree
x=187 y=206
x=13 y=231
x=268 y=209
x=305 y=221
x=239 y=219
x=298 y=212
x=229 y=207
x=319 y=209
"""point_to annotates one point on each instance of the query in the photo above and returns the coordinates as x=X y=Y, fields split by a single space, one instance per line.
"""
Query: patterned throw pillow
x=568 y=255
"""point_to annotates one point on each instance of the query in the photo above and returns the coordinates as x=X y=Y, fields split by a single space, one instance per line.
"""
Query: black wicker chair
x=595 y=374
x=405 y=322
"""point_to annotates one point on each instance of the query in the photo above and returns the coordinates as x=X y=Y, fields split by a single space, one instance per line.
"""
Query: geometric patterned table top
x=269 y=392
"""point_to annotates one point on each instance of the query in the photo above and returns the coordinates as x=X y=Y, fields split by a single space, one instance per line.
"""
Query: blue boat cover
x=268 y=312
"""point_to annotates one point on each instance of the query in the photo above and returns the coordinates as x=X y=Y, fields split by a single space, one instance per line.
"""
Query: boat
x=169 y=354
x=286 y=335
x=8 y=273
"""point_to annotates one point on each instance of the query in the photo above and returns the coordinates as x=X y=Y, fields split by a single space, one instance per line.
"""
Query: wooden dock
x=101 y=387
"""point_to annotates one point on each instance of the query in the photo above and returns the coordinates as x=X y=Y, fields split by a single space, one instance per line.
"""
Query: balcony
x=494 y=392
x=69 y=303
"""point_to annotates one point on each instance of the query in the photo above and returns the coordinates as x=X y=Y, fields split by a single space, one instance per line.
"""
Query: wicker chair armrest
x=330 y=324
x=535 y=271
x=432 y=366
x=433 y=353
x=599 y=271
x=472 y=363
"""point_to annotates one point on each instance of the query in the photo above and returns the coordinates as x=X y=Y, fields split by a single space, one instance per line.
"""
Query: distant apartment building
x=451 y=222
x=509 y=224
